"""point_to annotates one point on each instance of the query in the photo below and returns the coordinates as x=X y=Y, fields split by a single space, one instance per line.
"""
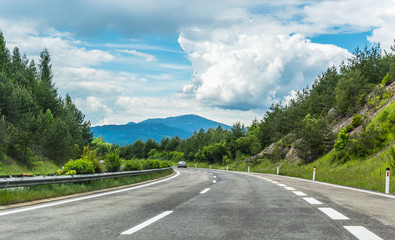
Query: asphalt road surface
x=210 y=204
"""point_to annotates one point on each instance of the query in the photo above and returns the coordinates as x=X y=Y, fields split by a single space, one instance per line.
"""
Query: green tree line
x=35 y=122
x=306 y=121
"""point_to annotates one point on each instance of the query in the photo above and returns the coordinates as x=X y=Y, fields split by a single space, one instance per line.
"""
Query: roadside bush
x=152 y=164
x=113 y=161
x=164 y=164
x=132 y=165
x=81 y=166
x=146 y=164
x=71 y=172
x=91 y=156
x=342 y=139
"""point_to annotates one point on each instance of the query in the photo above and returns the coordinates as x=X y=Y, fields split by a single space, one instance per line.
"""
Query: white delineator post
x=314 y=174
x=195 y=165
x=387 y=181
x=278 y=170
x=248 y=168
x=227 y=167
x=210 y=166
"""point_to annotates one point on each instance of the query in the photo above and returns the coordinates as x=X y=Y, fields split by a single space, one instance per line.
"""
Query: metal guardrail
x=46 y=180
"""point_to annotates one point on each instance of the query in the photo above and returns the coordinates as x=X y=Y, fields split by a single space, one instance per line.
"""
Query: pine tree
x=4 y=55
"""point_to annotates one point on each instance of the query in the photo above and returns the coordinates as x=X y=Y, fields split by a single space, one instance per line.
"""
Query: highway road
x=209 y=204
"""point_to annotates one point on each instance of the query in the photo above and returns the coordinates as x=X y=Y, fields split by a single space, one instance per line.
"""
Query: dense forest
x=35 y=122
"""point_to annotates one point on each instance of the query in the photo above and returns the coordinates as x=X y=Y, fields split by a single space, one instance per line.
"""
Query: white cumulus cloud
x=237 y=70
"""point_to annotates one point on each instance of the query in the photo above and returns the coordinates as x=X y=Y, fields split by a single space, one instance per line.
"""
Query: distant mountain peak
x=155 y=128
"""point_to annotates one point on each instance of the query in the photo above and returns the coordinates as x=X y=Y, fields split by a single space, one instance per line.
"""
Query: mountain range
x=155 y=128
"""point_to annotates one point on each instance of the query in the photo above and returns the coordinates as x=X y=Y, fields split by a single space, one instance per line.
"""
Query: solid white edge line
x=205 y=190
x=312 y=201
x=332 y=213
x=338 y=186
x=146 y=223
x=362 y=233
x=86 y=197
x=318 y=182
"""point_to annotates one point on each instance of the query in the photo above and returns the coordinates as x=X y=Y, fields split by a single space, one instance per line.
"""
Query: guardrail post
x=278 y=170
x=387 y=180
x=314 y=174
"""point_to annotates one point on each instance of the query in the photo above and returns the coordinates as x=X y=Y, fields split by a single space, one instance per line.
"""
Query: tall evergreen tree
x=4 y=55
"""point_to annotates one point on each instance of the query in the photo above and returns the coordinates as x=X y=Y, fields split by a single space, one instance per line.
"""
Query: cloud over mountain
x=247 y=70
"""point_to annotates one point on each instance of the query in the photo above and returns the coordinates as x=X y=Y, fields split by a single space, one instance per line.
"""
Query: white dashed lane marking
x=332 y=213
x=146 y=223
x=359 y=232
x=299 y=193
x=362 y=233
x=205 y=190
x=312 y=201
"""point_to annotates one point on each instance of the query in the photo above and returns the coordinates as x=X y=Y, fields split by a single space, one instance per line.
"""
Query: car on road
x=182 y=164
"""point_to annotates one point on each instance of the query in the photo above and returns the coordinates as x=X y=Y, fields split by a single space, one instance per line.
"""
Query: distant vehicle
x=182 y=164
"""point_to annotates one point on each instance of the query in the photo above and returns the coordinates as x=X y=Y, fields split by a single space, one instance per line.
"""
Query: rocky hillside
x=286 y=146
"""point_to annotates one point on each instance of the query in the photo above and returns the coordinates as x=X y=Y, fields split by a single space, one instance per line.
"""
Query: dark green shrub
x=356 y=121
x=155 y=164
x=316 y=139
x=132 y=165
x=113 y=161
x=146 y=164
x=342 y=139
x=91 y=155
x=342 y=156
x=81 y=166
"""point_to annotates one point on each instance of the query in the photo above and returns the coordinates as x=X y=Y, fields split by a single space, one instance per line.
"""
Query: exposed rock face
x=292 y=154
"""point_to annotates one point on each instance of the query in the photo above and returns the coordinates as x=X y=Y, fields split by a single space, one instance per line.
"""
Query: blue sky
x=226 y=60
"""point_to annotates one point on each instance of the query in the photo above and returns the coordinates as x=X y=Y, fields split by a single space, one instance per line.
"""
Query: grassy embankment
x=366 y=173
x=35 y=167
x=55 y=190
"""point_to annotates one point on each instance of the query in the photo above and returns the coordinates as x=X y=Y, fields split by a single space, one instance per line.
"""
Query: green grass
x=36 y=167
x=8 y=196
x=367 y=173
